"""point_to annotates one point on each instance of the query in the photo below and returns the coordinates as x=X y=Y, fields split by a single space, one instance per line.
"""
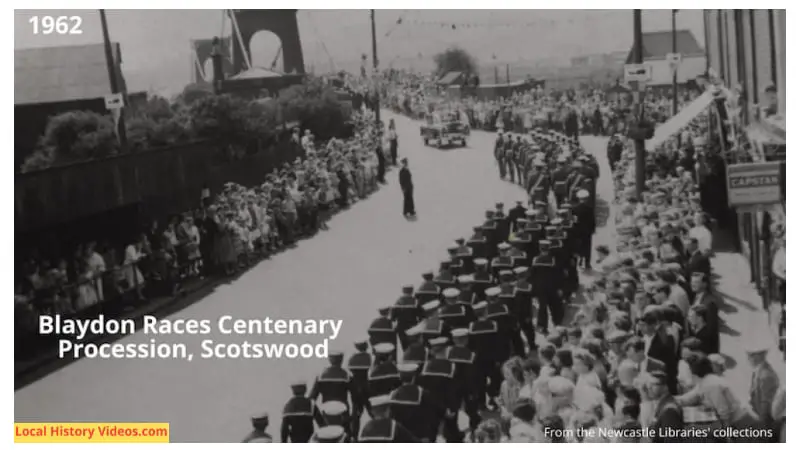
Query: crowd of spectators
x=227 y=232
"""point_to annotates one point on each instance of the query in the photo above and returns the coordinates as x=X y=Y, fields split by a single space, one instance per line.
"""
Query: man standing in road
x=408 y=190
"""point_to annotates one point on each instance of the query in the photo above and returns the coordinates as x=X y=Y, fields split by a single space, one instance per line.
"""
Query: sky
x=156 y=43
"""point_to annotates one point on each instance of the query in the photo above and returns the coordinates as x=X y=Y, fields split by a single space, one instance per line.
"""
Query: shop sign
x=754 y=184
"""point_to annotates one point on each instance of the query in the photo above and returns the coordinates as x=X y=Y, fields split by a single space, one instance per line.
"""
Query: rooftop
x=657 y=44
x=61 y=74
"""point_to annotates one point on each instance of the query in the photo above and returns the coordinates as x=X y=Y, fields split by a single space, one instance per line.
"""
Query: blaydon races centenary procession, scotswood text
x=74 y=331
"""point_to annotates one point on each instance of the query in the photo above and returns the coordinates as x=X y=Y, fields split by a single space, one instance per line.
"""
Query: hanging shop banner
x=754 y=184
x=679 y=121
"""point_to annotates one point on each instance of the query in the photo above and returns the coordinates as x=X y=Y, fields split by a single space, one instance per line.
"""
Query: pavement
x=345 y=273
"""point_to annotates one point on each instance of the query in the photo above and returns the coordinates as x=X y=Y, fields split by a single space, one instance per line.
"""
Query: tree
x=455 y=59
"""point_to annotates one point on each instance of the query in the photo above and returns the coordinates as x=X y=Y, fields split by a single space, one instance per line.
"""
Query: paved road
x=345 y=273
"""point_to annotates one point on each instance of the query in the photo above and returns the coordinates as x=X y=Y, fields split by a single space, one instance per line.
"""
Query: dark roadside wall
x=158 y=182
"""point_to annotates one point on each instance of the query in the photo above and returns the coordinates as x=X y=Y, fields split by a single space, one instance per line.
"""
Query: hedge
x=197 y=113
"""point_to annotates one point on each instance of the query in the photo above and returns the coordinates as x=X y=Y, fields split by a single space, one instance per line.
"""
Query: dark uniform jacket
x=386 y=430
x=381 y=330
x=483 y=340
x=415 y=409
x=416 y=353
x=334 y=384
x=299 y=415
x=383 y=379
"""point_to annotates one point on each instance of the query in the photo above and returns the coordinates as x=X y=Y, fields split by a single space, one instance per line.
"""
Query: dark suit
x=712 y=302
x=667 y=416
x=408 y=191
x=662 y=348
x=698 y=262
x=708 y=338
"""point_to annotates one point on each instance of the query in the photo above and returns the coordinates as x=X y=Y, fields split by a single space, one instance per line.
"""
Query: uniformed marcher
x=478 y=243
x=335 y=413
x=383 y=377
x=428 y=290
x=413 y=406
x=456 y=265
x=333 y=434
x=438 y=378
x=482 y=279
x=483 y=340
x=334 y=383
x=465 y=255
x=464 y=360
x=382 y=329
x=417 y=351
x=502 y=222
x=544 y=277
x=359 y=366
x=503 y=261
x=523 y=306
x=498 y=311
x=465 y=296
x=453 y=314
x=382 y=428
x=299 y=415
x=405 y=314
x=491 y=231
x=516 y=213
x=506 y=295
x=444 y=279
x=259 y=434
x=432 y=325
x=586 y=226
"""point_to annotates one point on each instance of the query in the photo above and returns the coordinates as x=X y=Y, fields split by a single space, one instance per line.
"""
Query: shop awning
x=674 y=125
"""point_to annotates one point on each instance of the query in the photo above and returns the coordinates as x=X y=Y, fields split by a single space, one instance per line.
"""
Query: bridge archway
x=281 y=22
x=265 y=48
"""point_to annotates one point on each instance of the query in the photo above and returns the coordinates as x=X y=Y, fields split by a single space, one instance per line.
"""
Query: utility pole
x=638 y=95
x=375 y=69
x=675 y=70
x=111 y=65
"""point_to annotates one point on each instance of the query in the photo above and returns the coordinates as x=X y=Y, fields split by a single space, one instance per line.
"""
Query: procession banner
x=674 y=125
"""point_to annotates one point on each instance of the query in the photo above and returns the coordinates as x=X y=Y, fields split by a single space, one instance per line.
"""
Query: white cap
x=756 y=346
x=329 y=433
x=583 y=193
x=530 y=212
x=414 y=331
x=463 y=279
x=380 y=400
x=438 y=341
x=493 y=291
x=451 y=293
x=481 y=261
x=408 y=367
x=460 y=332
x=333 y=408
x=504 y=246
x=521 y=269
x=431 y=305
x=384 y=348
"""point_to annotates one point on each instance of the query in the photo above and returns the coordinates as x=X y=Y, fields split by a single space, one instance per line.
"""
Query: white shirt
x=703 y=236
x=648 y=340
